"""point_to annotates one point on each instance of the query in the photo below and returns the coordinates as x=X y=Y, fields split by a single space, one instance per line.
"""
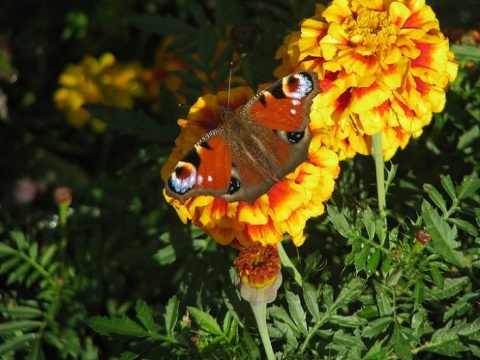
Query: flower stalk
x=260 y=313
x=380 y=173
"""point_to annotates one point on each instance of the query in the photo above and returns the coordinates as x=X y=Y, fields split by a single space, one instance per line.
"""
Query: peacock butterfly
x=253 y=149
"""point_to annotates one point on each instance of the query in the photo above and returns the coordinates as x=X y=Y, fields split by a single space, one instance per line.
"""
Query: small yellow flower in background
x=384 y=66
x=160 y=73
x=93 y=81
x=284 y=209
x=258 y=273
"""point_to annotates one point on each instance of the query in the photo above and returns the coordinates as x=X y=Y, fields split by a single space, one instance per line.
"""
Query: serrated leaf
x=436 y=197
x=144 y=314
x=402 y=349
x=280 y=314
x=206 y=46
x=6 y=250
x=25 y=312
x=368 y=219
x=449 y=187
x=469 y=186
x=311 y=300
x=346 y=321
x=445 y=341
x=18 y=342
x=10 y=264
x=464 y=225
x=161 y=25
x=348 y=293
x=442 y=236
x=19 y=325
x=296 y=311
x=342 y=338
x=171 y=315
x=131 y=123
x=383 y=300
x=377 y=326
x=373 y=262
x=19 y=273
x=205 y=321
x=362 y=256
x=450 y=288
x=339 y=222
x=117 y=326
x=47 y=256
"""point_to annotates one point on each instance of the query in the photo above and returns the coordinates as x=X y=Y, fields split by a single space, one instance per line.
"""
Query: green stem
x=380 y=172
x=260 y=313
x=288 y=265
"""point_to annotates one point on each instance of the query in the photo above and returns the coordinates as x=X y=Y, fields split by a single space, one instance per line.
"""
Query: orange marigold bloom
x=284 y=209
x=384 y=66
x=258 y=273
x=93 y=81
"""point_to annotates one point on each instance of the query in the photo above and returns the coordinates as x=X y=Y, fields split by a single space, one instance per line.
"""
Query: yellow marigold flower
x=384 y=66
x=93 y=81
x=258 y=273
x=284 y=209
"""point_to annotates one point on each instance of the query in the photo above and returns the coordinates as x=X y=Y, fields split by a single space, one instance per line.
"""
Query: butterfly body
x=253 y=149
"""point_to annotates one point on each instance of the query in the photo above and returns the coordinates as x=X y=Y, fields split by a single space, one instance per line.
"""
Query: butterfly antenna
x=229 y=84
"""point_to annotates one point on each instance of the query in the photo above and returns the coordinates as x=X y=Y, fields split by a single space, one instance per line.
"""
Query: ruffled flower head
x=97 y=81
x=384 y=66
x=258 y=273
x=285 y=208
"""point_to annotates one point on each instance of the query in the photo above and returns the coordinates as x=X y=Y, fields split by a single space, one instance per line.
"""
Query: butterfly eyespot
x=295 y=137
x=234 y=186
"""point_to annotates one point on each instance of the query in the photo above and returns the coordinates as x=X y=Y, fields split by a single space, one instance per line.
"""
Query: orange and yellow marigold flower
x=284 y=209
x=97 y=81
x=384 y=67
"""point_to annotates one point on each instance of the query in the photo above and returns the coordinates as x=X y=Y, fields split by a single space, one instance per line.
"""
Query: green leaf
x=19 y=325
x=47 y=256
x=465 y=52
x=144 y=314
x=24 y=312
x=377 y=326
x=464 y=225
x=171 y=315
x=160 y=25
x=450 y=288
x=340 y=223
x=131 y=123
x=206 y=46
x=402 y=349
x=442 y=236
x=117 y=326
x=342 y=338
x=205 y=321
x=436 y=197
x=362 y=256
x=280 y=314
x=348 y=293
x=10 y=264
x=18 y=342
x=368 y=219
x=311 y=300
x=6 y=250
x=445 y=341
x=383 y=300
x=469 y=186
x=373 y=262
x=347 y=321
x=449 y=187
x=296 y=311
